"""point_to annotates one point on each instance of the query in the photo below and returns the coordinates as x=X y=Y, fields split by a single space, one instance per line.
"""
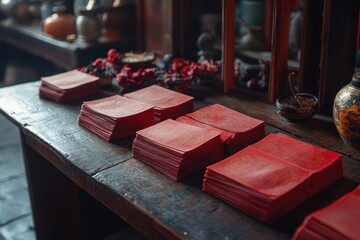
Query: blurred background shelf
x=67 y=55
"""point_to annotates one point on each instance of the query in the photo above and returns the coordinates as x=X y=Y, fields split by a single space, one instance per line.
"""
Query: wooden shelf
x=68 y=55
x=265 y=56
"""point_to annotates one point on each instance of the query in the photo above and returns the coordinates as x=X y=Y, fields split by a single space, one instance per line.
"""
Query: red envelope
x=177 y=149
x=69 y=80
x=116 y=107
x=167 y=103
x=115 y=117
x=68 y=86
x=226 y=119
x=225 y=136
x=258 y=184
x=325 y=165
x=178 y=136
x=243 y=130
x=339 y=220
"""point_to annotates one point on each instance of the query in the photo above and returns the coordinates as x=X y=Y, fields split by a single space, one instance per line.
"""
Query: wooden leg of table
x=98 y=221
x=54 y=199
x=61 y=209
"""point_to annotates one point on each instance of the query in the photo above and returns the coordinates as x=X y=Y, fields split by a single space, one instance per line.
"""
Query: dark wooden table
x=63 y=159
x=67 y=55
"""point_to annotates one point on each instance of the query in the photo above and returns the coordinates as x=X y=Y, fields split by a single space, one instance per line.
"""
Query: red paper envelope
x=177 y=135
x=159 y=97
x=115 y=117
x=258 y=184
x=177 y=149
x=69 y=80
x=226 y=119
x=225 y=136
x=250 y=167
x=238 y=129
x=68 y=86
x=339 y=220
x=325 y=165
x=269 y=178
x=167 y=103
x=117 y=107
x=302 y=154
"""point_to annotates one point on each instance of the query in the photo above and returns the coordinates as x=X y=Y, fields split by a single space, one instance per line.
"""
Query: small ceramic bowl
x=289 y=107
x=138 y=59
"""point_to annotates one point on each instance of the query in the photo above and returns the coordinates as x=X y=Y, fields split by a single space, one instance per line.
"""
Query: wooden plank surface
x=152 y=203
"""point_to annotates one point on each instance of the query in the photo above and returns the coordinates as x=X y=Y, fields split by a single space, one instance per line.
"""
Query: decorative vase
x=88 y=26
x=60 y=24
x=346 y=112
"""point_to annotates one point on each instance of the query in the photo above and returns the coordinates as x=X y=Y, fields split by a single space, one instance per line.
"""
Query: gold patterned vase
x=346 y=112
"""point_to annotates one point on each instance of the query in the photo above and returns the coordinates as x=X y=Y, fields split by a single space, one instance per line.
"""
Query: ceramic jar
x=346 y=112
x=88 y=26
x=60 y=24
x=16 y=10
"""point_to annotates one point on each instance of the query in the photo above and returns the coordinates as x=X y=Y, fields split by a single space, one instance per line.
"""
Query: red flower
x=112 y=56
x=130 y=80
x=111 y=52
x=98 y=63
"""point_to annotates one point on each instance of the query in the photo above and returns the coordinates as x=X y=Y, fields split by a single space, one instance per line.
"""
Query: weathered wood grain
x=57 y=124
x=152 y=203
x=171 y=210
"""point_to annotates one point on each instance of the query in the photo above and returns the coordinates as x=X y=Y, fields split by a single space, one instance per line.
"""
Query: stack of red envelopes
x=68 y=86
x=339 y=220
x=167 y=103
x=258 y=184
x=269 y=178
x=177 y=149
x=224 y=136
x=324 y=165
x=115 y=117
x=238 y=130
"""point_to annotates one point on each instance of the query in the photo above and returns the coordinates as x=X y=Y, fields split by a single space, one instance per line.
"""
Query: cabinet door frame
x=329 y=38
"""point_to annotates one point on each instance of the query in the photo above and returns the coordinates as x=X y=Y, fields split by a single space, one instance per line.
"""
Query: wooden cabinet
x=328 y=44
x=172 y=26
